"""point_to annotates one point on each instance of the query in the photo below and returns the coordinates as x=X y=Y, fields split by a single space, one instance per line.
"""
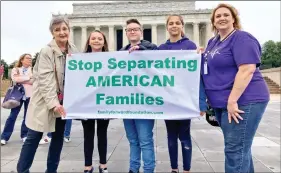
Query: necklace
x=217 y=43
x=228 y=35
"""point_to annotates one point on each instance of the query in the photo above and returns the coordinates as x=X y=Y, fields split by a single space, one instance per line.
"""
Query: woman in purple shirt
x=234 y=86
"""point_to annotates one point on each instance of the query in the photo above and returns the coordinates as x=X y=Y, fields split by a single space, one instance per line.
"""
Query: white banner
x=140 y=85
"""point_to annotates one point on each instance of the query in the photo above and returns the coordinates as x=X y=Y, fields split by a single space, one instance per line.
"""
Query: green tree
x=35 y=58
x=4 y=63
x=277 y=62
x=271 y=54
x=12 y=65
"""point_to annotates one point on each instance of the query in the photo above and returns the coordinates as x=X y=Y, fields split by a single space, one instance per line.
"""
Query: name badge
x=205 y=68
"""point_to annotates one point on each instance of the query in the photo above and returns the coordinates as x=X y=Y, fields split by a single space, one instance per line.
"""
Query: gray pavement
x=207 y=147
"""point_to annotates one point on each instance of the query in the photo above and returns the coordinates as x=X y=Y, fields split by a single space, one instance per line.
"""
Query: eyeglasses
x=132 y=29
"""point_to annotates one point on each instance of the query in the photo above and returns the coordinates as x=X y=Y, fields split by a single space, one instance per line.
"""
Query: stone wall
x=273 y=74
x=115 y=8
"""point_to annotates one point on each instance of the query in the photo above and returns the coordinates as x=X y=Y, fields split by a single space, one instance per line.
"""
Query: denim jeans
x=31 y=144
x=179 y=129
x=10 y=122
x=238 y=138
x=140 y=136
x=67 y=129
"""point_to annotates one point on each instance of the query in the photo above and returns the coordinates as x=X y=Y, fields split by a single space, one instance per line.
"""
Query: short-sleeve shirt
x=223 y=59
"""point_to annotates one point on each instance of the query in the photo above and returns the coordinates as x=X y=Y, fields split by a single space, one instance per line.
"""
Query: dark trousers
x=179 y=129
x=89 y=134
x=31 y=144
x=10 y=122
x=67 y=129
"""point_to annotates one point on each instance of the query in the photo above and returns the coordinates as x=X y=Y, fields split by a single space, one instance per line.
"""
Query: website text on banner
x=139 y=85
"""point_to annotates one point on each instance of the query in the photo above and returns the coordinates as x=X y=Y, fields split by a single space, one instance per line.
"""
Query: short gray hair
x=58 y=20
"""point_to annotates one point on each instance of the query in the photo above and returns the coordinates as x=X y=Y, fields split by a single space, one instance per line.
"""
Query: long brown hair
x=19 y=63
x=234 y=13
x=88 y=47
x=181 y=19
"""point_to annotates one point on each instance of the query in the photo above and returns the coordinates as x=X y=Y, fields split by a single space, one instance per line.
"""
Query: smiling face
x=174 y=26
x=223 y=19
x=96 y=41
x=134 y=32
x=60 y=32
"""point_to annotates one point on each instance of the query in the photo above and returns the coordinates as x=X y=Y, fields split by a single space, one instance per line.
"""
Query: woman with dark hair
x=180 y=129
x=21 y=74
x=95 y=43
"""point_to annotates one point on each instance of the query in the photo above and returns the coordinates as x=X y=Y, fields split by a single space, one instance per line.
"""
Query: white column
x=125 y=39
x=97 y=28
x=83 y=36
x=154 y=33
x=71 y=36
x=166 y=33
x=111 y=38
x=184 y=29
x=196 y=33
x=209 y=32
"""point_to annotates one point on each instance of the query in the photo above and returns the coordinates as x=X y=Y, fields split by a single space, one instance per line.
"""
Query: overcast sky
x=24 y=25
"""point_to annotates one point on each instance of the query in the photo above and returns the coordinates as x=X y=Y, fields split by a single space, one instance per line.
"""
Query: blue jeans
x=67 y=129
x=10 y=122
x=31 y=144
x=238 y=138
x=140 y=135
x=179 y=129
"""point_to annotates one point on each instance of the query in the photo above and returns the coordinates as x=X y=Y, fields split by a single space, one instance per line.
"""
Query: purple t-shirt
x=223 y=59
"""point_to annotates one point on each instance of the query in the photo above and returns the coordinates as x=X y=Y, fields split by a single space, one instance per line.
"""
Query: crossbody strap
x=56 y=74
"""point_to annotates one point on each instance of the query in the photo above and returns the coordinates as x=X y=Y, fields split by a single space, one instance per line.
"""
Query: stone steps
x=274 y=88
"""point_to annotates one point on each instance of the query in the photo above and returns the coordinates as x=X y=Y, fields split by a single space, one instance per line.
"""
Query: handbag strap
x=56 y=74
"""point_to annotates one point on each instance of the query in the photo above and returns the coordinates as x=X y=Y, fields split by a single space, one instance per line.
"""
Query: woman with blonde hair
x=234 y=86
x=21 y=74
x=45 y=108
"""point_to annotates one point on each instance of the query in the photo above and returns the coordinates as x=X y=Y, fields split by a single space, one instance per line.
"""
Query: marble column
x=125 y=39
x=154 y=33
x=209 y=32
x=184 y=29
x=83 y=36
x=97 y=28
x=111 y=40
x=71 y=36
x=166 y=33
x=196 y=33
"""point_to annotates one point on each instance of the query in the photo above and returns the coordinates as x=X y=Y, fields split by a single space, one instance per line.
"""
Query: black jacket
x=144 y=45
